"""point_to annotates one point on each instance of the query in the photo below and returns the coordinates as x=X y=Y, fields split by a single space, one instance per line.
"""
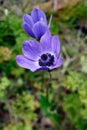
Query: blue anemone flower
x=35 y=24
x=41 y=56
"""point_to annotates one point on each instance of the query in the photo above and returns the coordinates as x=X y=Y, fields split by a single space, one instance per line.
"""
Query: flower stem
x=48 y=86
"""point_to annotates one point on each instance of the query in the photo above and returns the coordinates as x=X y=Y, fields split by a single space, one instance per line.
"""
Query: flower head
x=41 y=56
x=35 y=24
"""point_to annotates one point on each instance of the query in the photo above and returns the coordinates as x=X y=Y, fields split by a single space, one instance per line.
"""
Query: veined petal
x=38 y=15
x=28 y=19
x=46 y=41
x=58 y=63
x=55 y=45
x=31 y=49
x=28 y=29
x=26 y=63
x=39 y=29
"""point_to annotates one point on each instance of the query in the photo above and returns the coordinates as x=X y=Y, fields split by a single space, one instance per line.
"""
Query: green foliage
x=84 y=64
x=18 y=126
x=5 y=54
x=27 y=103
x=23 y=112
x=75 y=103
x=73 y=10
x=46 y=108
x=4 y=83
x=74 y=81
x=7 y=37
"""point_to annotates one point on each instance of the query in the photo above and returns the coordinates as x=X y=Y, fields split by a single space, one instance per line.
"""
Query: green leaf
x=45 y=105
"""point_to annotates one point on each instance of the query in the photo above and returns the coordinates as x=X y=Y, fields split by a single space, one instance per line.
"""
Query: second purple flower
x=35 y=24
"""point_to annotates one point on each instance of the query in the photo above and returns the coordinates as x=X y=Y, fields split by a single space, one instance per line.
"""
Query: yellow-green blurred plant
x=24 y=108
x=75 y=103
x=18 y=126
x=5 y=54
x=4 y=83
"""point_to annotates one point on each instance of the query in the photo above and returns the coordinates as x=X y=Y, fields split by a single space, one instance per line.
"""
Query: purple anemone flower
x=35 y=24
x=41 y=56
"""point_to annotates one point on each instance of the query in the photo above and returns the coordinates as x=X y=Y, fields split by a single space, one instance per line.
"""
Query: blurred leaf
x=45 y=105
x=4 y=83
x=84 y=64
x=46 y=109
x=5 y=54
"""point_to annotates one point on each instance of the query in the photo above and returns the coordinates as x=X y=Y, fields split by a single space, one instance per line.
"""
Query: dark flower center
x=44 y=57
x=46 y=60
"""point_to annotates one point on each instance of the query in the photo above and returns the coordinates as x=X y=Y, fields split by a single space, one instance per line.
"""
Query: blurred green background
x=23 y=105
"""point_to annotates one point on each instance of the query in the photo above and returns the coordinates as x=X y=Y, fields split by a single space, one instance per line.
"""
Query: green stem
x=48 y=86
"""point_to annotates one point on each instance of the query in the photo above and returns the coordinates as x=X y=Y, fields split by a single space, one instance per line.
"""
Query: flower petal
x=31 y=49
x=38 y=15
x=28 y=19
x=58 y=63
x=28 y=29
x=55 y=45
x=26 y=63
x=39 y=29
x=46 y=41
